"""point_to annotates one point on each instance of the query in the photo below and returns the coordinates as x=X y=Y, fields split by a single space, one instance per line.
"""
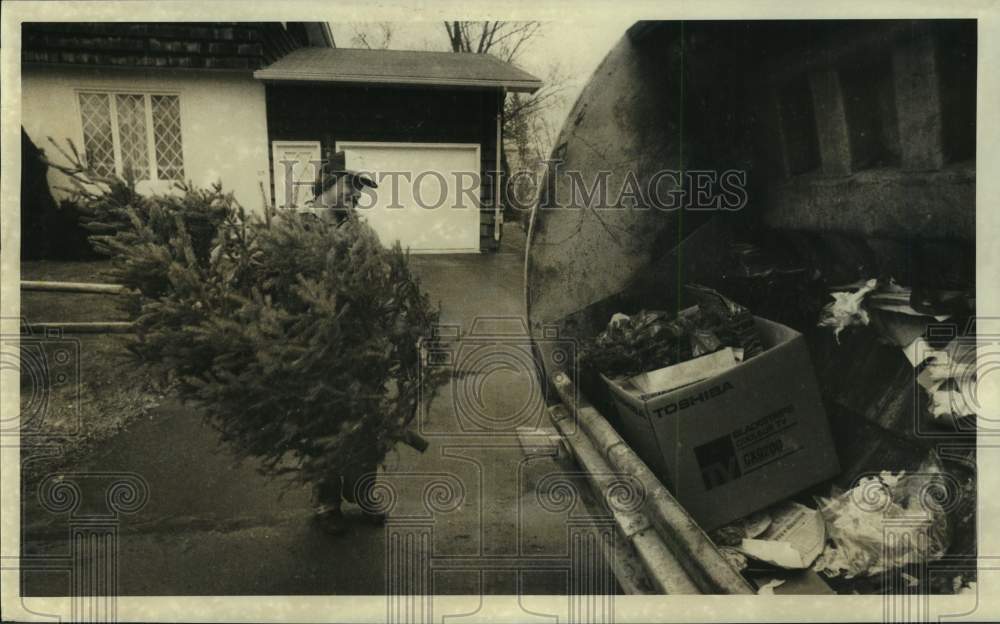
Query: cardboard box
x=737 y=442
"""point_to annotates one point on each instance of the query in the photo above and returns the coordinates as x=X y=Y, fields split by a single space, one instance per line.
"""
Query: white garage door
x=428 y=194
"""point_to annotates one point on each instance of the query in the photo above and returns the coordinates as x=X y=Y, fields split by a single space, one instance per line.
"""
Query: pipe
x=628 y=569
x=87 y=327
x=497 y=211
x=663 y=570
x=74 y=287
x=692 y=547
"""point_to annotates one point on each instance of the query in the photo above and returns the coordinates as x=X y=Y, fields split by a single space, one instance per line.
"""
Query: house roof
x=189 y=45
x=398 y=67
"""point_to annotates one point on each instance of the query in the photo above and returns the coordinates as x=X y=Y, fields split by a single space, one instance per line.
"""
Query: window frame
x=280 y=145
x=147 y=95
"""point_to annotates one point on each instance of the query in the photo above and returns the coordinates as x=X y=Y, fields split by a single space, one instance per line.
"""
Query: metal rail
x=85 y=327
x=74 y=287
x=663 y=570
x=700 y=559
x=79 y=327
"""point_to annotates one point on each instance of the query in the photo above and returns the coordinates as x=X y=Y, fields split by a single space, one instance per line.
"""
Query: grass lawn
x=76 y=390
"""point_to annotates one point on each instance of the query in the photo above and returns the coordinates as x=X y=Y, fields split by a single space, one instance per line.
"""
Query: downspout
x=497 y=210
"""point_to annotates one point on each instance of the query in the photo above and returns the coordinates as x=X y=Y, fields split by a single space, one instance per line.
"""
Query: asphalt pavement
x=473 y=514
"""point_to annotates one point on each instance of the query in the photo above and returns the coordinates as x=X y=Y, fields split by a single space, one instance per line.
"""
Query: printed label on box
x=689 y=401
x=748 y=448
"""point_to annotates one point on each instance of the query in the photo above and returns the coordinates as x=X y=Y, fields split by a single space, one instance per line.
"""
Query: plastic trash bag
x=730 y=323
x=886 y=522
x=654 y=339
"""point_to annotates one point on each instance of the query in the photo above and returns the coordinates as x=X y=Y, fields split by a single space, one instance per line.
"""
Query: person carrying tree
x=337 y=189
x=301 y=340
x=336 y=195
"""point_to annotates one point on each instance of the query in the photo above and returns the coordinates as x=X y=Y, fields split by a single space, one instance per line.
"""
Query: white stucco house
x=235 y=102
x=176 y=101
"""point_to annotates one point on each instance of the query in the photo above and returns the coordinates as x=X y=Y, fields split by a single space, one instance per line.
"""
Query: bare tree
x=532 y=119
x=506 y=40
x=540 y=102
x=503 y=40
x=379 y=40
x=528 y=129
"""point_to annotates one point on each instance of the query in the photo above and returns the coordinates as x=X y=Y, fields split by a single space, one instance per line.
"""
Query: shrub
x=132 y=230
x=301 y=339
x=49 y=228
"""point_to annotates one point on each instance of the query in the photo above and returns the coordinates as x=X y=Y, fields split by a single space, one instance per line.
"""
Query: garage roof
x=398 y=67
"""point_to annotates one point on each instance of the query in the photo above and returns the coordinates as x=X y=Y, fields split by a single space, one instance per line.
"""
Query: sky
x=575 y=48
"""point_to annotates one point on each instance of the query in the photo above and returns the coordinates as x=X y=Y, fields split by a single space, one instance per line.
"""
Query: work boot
x=332 y=521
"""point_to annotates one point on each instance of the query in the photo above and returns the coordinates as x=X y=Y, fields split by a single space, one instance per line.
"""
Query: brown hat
x=335 y=167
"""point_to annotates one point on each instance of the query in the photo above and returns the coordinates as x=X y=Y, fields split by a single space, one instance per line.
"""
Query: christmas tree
x=302 y=340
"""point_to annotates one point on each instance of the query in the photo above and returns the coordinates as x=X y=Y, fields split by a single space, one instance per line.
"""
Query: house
x=256 y=105
x=174 y=101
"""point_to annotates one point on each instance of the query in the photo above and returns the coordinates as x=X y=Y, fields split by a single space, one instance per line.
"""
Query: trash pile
x=653 y=339
x=886 y=523
x=914 y=322
x=788 y=535
x=862 y=302
x=723 y=406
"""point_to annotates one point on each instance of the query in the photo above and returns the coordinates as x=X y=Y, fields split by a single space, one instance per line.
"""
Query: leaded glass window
x=136 y=131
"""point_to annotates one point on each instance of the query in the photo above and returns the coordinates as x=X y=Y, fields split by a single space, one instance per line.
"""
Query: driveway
x=472 y=514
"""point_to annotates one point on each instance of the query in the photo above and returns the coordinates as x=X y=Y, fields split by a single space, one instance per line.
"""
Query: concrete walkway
x=473 y=514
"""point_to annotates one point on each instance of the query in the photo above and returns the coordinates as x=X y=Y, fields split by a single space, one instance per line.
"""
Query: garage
x=427 y=125
x=428 y=195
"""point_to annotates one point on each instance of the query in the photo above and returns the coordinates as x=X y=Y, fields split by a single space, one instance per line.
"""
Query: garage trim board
x=305 y=154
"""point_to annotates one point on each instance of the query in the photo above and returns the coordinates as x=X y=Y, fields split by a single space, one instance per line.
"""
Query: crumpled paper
x=845 y=310
x=767 y=589
x=735 y=532
x=969 y=589
x=730 y=537
x=884 y=523
x=949 y=378
x=794 y=539
x=951 y=404
x=961 y=586
x=619 y=320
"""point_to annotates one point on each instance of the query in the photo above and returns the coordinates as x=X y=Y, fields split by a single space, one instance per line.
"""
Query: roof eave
x=513 y=86
x=244 y=71
x=327 y=34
